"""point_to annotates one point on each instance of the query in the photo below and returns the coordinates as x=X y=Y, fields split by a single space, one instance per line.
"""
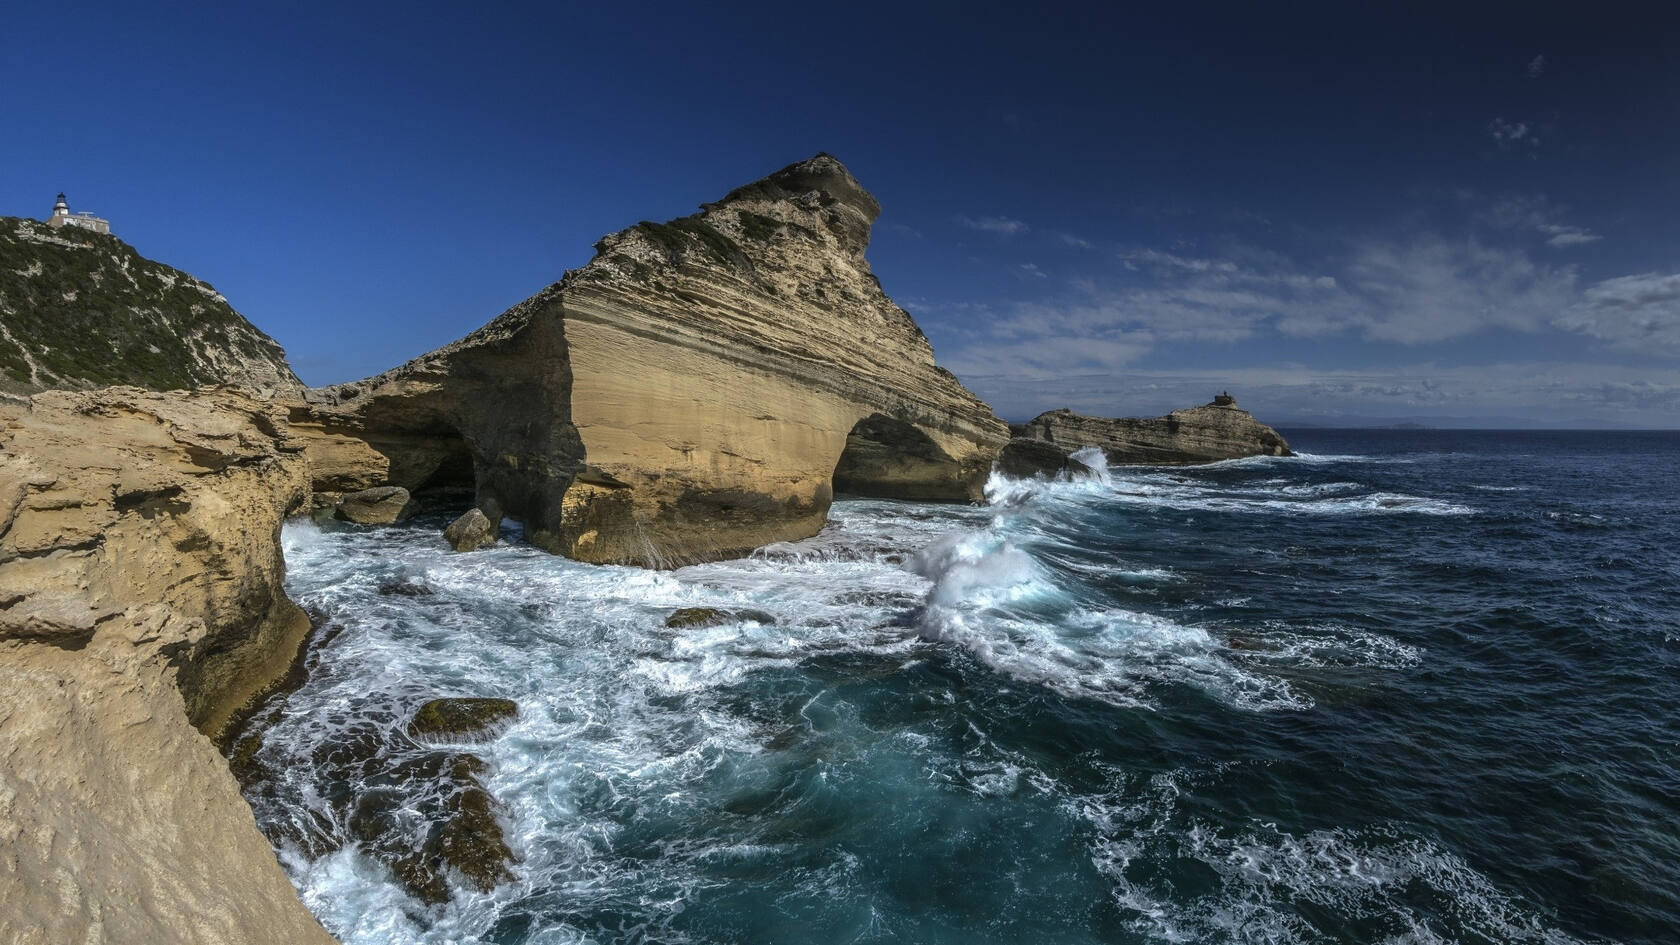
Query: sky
x=1463 y=217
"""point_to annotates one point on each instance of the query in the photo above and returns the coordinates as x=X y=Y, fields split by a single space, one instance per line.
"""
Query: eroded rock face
x=1203 y=434
x=381 y=505
x=698 y=390
x=140 y=581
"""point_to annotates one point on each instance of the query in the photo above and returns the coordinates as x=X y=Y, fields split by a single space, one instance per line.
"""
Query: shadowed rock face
x=1206 y=434
x=698 y=390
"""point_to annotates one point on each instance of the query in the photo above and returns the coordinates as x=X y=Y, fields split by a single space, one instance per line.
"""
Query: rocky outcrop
x=381 y=505
x=470 y=532
x=1206 y=434
x=700 y=389
x=140 y=607
x=80 y=309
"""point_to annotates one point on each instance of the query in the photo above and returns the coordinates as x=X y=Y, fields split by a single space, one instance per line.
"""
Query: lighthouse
x=62 y=217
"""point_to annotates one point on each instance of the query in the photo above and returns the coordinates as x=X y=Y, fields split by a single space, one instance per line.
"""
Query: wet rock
x=470 y=532
x=429 y=816
x=1024 y=458
x=402 y=588
x=381 y=505
x=454 y=717
x=714 y=616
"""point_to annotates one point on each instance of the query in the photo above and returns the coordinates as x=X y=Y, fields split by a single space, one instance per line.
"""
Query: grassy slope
x=85 y=310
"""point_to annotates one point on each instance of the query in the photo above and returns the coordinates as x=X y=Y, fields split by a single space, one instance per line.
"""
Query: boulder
x=699 y=389
x=454 y=718
x=1206 y=434
x=688 y=617
x=381 y=505
x=470 y=532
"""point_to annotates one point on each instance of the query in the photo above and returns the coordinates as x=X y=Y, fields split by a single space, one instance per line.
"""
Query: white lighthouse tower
x=61 y=217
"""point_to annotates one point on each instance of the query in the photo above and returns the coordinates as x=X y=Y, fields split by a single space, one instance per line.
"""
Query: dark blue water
x=1411 y=687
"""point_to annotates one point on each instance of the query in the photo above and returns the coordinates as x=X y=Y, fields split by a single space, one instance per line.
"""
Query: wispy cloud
x=1536 y=66
x=1000 y=226
x=1638 y=313
x=1537 y=214
x=1031 y=271
x=1069 y=239
x=1511 y=133
x=1561 y=235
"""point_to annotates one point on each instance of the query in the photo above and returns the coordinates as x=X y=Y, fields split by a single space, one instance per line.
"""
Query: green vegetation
x=680 y=236
x=757 y=226
x=90 y=311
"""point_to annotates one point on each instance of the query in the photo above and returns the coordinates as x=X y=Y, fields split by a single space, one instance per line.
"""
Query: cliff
x=140 y=606
x=1206 y=434
x=699 y=389
x=80 y=309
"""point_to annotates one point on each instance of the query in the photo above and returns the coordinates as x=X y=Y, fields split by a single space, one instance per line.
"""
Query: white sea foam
x=1262 y=872
x=625 y=722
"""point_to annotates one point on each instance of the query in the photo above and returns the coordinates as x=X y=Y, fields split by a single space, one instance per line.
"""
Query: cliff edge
x=141 y=605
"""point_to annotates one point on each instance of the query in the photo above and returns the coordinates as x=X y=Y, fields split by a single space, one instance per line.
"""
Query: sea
x=1404 y=687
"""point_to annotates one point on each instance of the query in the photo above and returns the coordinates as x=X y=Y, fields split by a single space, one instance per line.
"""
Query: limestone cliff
x=140 y=599
x=1212 y=432
x=699 y=389
x=80 y=309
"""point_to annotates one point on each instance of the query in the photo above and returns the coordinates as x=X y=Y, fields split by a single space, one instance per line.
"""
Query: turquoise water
x=1411 y=687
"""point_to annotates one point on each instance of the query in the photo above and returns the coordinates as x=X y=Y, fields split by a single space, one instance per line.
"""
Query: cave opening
x=886 y=457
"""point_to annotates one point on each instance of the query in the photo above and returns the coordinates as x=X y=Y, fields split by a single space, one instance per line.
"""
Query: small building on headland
x=61 y=216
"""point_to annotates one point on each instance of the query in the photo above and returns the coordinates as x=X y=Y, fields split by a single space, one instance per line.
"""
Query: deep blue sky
x=1336 y=213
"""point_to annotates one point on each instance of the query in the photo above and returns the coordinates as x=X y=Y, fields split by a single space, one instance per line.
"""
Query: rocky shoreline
x=700 y=389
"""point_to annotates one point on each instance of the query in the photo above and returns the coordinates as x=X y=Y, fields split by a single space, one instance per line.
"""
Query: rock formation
x=80 y=309
x=1206 y=434
x=140 y=599
x=698 y=390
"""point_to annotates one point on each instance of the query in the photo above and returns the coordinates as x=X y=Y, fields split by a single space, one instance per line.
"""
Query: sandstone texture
x=380 y=505
x=1206 y=434
x=141 y=606
x=699 y=389
x=80 y=309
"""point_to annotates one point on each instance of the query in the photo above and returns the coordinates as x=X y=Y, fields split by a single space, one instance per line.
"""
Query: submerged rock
x=470 y=532
x=381 y=505
x=454 y=717
x=713 y=617
x=698 y=390
x=1206 y=434
x=458 y=830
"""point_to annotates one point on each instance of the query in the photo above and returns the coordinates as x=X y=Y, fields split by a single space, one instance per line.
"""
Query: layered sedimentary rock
x=80 y=309
x=140 y=606
x=699 y=389
x=1206 y=434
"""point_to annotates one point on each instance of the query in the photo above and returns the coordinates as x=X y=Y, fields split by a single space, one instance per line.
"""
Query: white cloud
x=1001 y=226
x=1030 y=271
x=1639 y=312
x=1536 y=66
x=1544 y=393
x=1561 y=235
x=1435 y=289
